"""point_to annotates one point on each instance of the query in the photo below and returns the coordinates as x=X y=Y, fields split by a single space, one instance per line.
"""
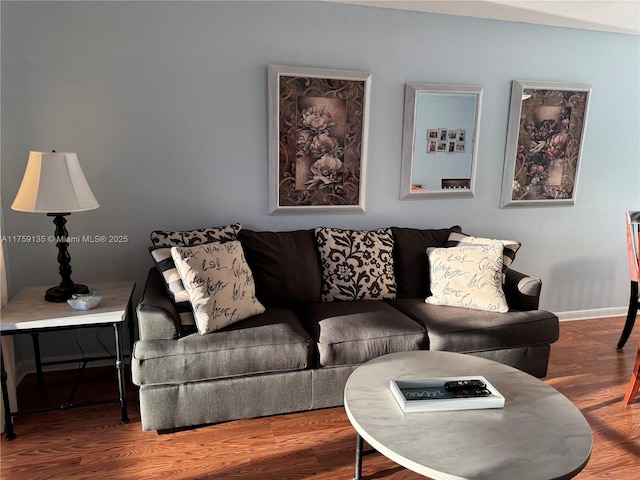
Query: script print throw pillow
x=469 y=276
x=356 y=265
x=219 y=283
x=510 y=247
x=163 y=240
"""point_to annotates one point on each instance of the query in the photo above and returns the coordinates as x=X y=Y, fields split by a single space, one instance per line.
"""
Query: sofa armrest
x=522 y=291
x=158 y=317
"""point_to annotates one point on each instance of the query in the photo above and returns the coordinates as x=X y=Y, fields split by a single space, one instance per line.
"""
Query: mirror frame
x=409 y=134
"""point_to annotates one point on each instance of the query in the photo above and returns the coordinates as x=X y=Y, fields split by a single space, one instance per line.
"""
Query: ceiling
x=618 y=16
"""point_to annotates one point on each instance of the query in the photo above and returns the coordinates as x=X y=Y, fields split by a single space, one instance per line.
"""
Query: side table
x=29 y=312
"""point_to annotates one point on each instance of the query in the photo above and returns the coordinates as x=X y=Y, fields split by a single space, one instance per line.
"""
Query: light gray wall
x=166 y=105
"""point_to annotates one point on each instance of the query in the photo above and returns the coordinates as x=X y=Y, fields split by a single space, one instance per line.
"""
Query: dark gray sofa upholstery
x=349 y=333
x=271 y=342
x=298 y=354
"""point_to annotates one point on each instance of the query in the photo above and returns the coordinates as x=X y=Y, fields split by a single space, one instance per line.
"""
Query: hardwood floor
x=89 y=443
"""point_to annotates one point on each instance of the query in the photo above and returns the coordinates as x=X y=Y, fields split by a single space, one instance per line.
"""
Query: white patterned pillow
x=510 y=246
x=219 y=283
x=356 y=265
x=163 y=240
x=468 y=276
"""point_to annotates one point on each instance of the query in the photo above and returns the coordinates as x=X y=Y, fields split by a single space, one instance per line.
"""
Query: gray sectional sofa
x=298 y=354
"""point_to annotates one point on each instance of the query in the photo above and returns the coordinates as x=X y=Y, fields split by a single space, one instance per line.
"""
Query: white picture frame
x=418 y=107
x=318 y=137
x=545 y=136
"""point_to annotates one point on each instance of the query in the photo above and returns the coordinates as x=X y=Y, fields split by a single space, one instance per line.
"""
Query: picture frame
x=545 y=135
x=449 y=110
x=318 y=136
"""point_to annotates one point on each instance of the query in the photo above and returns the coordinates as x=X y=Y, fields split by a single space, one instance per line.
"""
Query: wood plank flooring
x=89 y=443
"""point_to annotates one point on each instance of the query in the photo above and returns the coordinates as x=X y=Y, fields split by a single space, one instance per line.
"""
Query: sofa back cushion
x=410 y=257
x=285 y=265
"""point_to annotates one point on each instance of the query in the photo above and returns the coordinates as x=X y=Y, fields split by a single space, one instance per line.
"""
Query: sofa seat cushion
x=463 y=330
x=350 y=333
x=274 y=341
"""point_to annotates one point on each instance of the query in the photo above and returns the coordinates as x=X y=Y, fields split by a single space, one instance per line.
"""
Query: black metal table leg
x=8 y=418
x=631 y=315
x=36 y=352
x=130 y=323
x=120 y=371
x=359 y=454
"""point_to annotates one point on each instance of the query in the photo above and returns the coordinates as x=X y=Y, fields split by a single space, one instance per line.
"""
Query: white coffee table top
x=539 y=434
x=29 y=310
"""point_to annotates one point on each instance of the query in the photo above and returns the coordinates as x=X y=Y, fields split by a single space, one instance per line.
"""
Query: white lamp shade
x=54 y=183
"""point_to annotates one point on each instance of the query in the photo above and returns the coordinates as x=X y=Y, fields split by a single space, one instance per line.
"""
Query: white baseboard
x=21 y=372
x=591 y=314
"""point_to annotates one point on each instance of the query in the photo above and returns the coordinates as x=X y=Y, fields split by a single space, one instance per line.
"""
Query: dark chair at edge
x=633 y=244
x=633 y=241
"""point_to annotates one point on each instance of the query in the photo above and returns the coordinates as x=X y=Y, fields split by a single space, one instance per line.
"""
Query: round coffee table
x=538 y=434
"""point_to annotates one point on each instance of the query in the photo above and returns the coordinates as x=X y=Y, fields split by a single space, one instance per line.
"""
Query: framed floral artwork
x=318 y=124
x=547 y=122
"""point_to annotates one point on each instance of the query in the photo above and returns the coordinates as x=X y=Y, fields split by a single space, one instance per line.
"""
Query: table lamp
x=54 y=184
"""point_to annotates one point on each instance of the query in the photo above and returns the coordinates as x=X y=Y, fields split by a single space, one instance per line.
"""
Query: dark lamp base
x=59 y=294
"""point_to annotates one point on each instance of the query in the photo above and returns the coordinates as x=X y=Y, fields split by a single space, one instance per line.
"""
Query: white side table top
x=29 y=310
x=539 y=434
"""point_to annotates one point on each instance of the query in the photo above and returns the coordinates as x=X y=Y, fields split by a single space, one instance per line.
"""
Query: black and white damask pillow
x=219 y=283
x=188 y=238
x=356 y=264
x=163 y=240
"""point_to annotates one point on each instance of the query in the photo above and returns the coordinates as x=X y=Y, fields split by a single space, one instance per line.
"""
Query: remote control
x=456 y=385
x=472 y=392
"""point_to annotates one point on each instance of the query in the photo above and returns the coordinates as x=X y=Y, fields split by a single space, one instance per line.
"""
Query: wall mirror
x=440 y=140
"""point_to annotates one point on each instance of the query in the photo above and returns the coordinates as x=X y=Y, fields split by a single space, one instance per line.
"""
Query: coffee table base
x=360 y=453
